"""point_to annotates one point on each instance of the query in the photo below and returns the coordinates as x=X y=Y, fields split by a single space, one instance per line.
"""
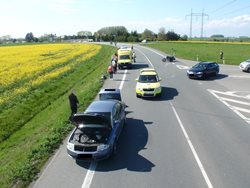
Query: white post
x=197 y=57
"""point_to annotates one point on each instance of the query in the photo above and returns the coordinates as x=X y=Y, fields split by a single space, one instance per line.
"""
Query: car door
x=118 y=118
x=209 y=69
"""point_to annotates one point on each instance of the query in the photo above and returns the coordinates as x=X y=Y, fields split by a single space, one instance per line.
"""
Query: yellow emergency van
x=125 y=58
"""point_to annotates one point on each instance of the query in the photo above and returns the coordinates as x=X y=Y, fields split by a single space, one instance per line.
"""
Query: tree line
x=114 y=33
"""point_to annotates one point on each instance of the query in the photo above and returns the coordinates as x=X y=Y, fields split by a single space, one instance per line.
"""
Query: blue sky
x=67 y=17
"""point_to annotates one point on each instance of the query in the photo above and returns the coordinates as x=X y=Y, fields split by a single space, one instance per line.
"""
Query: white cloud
x=239 y=21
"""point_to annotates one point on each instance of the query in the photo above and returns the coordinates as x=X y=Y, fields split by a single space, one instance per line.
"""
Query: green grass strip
x=25 y=152
x=206 y=51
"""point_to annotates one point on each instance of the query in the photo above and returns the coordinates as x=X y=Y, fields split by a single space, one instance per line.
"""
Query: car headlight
x=189 y=72
x=158 y=88
x=199 y=73
x=243 y=65
x=103 y=147
x=139 y=88
x=70 y=146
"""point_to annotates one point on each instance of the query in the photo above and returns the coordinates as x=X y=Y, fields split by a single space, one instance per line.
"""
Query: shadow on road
x=168 y=93
x=212 y=78
x=140 y=65
x=133 y=139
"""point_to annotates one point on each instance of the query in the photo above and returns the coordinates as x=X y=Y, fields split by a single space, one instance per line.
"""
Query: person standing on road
x=110 y=72
x=73 y=101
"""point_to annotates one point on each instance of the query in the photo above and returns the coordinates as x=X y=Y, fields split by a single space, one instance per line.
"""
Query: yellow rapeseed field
x=25 y=66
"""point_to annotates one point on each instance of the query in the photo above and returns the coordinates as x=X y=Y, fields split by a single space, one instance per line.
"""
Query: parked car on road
x=148 y=83
x=245 y=66
x=203 y=70
x=109 y=93
x=97 y=130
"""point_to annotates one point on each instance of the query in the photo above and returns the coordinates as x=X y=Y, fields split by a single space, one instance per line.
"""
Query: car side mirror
x=159 y=79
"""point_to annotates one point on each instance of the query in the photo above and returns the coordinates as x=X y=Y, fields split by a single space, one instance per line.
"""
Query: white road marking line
x=146 y=57
x=213 y=92
x=182 y=67
x=123 y=79
x=241 y=109
x=230 y=93
x=238 y=76
x=190 y=145
x=153 y=51
x=235 y=101
x=90 y=174
x=209 y=184
x=92 y=167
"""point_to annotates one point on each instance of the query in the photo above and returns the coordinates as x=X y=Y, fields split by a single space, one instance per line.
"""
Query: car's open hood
x=81 y=120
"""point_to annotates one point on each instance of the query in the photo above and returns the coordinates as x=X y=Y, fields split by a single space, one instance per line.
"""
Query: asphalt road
x=196 y=135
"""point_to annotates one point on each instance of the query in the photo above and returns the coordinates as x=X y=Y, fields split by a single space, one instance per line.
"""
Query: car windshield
x=107 y=96
x=123 y=57
x=148 y=79
x=200 y=66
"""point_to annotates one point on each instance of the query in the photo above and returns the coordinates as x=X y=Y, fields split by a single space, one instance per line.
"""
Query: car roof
x=110 y=90
x=148 y=71
x=206 y=62
x=101 y=106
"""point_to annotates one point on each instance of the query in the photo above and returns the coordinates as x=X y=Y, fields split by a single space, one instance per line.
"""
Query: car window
x=124 y=57
x=148 y=78
x=117 y=111
x=107 y=96
x=210 y=66
x=200 y=66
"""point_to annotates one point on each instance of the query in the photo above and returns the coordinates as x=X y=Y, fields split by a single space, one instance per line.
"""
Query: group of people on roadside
x=112 y=68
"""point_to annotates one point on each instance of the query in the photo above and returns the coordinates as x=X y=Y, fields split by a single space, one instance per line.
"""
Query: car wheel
x=159 y=95
x=216 y=73
x=138 y=96
x=248 y=70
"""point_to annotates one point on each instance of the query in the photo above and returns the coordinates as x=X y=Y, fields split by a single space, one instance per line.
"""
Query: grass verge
x=25 y=152
x=234 y=53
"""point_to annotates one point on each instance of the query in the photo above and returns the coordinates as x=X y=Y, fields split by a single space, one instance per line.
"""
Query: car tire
x=138 y=96
x=248 y=70
x=216 y=73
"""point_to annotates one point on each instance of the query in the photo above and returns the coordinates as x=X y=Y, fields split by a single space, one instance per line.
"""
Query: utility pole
x=202 y=15
x=202 y=21
x=191 y=23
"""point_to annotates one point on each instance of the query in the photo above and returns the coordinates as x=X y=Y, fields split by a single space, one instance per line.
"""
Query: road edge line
x=92 y=167
x=202 y=169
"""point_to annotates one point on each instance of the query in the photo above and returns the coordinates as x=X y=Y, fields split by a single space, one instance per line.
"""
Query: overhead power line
x=237 y=10
x=223 y=6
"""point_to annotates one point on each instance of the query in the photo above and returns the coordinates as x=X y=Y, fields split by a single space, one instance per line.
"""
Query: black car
x=109 y=93
x=97 y=130
x=203 y=70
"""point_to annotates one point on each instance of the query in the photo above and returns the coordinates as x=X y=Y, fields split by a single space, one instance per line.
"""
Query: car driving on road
x=203 y=70
x=97 y=130
x=245 y=66
x=148 y=83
